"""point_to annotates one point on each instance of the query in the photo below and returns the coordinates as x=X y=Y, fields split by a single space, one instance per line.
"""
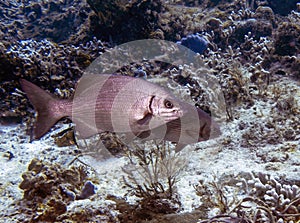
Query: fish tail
x=45 y=105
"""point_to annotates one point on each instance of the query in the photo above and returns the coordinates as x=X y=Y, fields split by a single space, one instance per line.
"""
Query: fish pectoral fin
x=179 y=147
x=145 y=120
x=140 y=128
x=144 y=135
x=191 y=133
x=85 y=131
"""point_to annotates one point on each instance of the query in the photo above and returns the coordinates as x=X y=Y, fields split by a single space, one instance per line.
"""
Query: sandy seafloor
x=212 y=161
x=257 y=156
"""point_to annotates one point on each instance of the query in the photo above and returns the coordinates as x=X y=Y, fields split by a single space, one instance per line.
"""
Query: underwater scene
x=150 y=111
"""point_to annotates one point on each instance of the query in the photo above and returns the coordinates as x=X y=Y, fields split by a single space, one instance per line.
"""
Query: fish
x=105 y=102
x=194 y=126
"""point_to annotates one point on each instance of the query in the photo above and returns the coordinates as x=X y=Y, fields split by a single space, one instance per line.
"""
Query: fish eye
x=168 y=104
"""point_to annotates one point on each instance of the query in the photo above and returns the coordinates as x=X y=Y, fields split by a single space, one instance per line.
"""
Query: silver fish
x=113 y=103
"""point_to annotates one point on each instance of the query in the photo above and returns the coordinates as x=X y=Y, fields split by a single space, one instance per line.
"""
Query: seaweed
x=151 y=175
x=153 y=172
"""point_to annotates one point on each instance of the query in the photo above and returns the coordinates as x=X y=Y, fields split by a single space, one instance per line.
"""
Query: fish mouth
x=209 y=131
x=169 y=116
x=204 y=132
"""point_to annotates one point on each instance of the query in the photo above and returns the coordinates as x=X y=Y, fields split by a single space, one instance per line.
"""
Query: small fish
x=101 y=103
x=194 y=126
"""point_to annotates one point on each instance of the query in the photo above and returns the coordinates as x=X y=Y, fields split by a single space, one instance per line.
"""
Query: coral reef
x=232 y=28
x=250 y=48
x=8 y=65
x=283 y=7
x=58 y=62
x=287 y=39
x=55 y=67
x=48 y=189
x=279 y=196
x=55 y=20
x=118 y=16
x=53 y=193
x=265 y=199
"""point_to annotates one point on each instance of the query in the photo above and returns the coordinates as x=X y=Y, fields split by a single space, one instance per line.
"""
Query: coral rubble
x=265 y=199
x=50 y=190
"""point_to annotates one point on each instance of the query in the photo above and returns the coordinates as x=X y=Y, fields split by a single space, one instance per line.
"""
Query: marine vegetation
x=151 y=175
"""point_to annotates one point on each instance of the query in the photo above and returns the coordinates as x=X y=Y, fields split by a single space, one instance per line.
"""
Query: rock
x=126 y=21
